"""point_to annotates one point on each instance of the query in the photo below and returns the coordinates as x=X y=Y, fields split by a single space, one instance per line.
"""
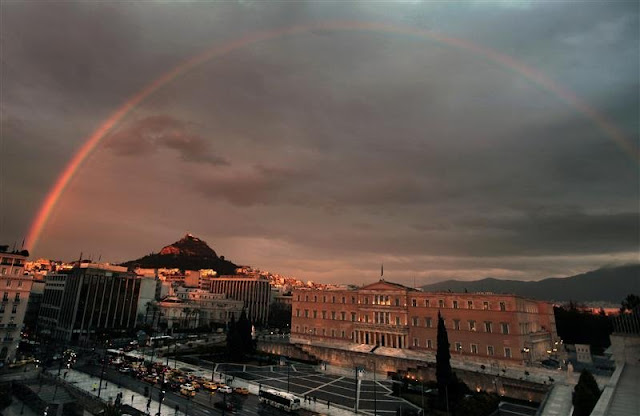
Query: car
x=551 y=364
x=225 y=389
x=125 y=370
x=173 y=386
x=224 y=406
x=241 y=390
x=209 y=385
x=187 y=392
x=150 y=379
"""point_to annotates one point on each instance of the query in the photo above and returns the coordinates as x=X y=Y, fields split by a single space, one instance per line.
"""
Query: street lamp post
x=161 y=398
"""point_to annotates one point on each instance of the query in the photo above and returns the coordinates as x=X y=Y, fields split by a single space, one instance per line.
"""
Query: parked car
x=241 y=390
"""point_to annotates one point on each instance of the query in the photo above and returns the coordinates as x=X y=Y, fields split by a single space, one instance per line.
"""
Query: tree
x=279 y=316
x=630 y=302
x=443 y=359
x=244 y=333
x=585 y=394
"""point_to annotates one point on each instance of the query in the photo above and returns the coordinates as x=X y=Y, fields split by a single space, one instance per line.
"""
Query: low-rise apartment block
x=15 y=287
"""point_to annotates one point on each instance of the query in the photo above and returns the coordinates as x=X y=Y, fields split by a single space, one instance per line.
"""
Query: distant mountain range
x=611 y=284
x=188 y=253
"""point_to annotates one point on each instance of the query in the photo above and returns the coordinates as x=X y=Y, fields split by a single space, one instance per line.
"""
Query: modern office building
x=89 y=299
x=480 y=326
x=15 y=287
x=255 y=292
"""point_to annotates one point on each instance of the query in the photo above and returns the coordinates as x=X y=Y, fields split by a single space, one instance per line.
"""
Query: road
x=200 y=405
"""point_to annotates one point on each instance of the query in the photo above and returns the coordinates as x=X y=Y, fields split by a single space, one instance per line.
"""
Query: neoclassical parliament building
x=480 y=326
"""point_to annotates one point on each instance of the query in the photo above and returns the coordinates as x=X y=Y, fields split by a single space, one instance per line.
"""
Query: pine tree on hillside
x=585 y=394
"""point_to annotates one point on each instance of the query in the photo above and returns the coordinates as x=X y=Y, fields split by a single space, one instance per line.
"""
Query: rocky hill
x=188 y=253
x=611 y=284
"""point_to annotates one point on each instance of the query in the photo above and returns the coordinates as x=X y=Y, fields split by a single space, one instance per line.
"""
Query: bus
x=160 y=341
x=281 y=400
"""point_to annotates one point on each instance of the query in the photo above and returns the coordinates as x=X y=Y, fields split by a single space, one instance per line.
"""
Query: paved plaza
x=304 y=380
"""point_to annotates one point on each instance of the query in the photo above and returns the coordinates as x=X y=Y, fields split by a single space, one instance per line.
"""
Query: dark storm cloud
x=152 y=133
x=330 y=150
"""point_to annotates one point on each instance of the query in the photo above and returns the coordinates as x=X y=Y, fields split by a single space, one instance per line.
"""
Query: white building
x=15 y=287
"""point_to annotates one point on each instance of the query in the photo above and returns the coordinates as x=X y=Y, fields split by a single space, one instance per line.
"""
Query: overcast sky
x=324 y=154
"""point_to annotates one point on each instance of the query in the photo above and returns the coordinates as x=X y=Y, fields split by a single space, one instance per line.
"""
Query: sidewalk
x=86 y=382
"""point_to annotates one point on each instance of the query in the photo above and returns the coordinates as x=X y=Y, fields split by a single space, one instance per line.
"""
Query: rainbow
x=536 y=77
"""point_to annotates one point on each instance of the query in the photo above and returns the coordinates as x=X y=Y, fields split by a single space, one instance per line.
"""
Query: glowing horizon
x=536 y=77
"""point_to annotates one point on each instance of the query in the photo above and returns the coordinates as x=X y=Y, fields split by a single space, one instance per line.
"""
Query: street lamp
x=375 y=390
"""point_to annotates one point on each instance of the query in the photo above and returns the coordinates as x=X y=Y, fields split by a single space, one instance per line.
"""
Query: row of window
x=334 y=332
x=8 y=283
x=471 y=325
x=386 y=300
x=486 y=305
x=5 y=297
x=334 y=315
x=14 y=309
x=473 y=348
x=385 y=318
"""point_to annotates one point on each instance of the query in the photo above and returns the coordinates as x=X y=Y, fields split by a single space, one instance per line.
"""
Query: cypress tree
x=585 y=394
x=444 y=375
x=244 y=332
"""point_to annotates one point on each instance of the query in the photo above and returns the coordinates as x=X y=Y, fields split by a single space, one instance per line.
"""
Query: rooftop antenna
x=381 y=271
x=22 y=248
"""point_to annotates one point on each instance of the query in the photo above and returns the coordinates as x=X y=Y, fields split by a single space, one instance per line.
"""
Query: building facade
x=255 y=292
x=485 y=327
x=193 y=308
x=89 y=299
x=15 y=287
